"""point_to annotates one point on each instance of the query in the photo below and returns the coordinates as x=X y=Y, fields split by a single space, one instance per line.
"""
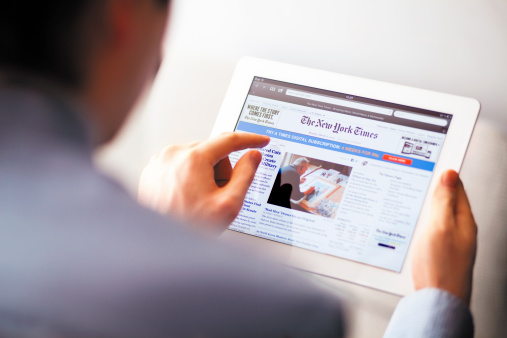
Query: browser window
x=343 y=175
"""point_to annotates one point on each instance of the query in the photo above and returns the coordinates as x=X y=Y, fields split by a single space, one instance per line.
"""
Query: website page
x=342 y=175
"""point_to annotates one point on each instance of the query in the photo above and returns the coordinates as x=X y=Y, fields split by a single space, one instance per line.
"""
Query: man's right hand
x=445 y=254
x=197 y=183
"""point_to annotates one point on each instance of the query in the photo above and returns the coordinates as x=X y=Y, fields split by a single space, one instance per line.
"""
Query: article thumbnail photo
x=309 y=185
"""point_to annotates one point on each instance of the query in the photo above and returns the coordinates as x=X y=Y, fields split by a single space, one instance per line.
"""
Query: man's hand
x=196 y=182
x=445 y=254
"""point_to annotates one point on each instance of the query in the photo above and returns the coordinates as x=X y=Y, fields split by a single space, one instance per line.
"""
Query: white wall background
x=453 y=46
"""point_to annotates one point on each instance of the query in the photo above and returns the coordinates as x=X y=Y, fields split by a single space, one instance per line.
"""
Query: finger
x=243 y=174
x=227 y=143
x=464 y=214
x=444 y=197
x=462 y=203
x=223 y=171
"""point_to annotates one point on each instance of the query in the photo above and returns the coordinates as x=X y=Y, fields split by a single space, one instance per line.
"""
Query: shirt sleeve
x=431 y=312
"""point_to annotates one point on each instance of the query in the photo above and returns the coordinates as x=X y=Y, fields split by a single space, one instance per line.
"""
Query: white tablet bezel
x=464 y=111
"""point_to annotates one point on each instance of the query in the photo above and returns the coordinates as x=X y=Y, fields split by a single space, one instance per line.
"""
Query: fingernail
x=450 y=179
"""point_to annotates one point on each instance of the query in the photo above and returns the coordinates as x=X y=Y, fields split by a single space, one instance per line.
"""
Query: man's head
x=301 y=164
x=103 y=51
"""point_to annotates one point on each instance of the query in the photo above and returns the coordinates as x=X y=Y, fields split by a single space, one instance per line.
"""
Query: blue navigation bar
x=335 y=146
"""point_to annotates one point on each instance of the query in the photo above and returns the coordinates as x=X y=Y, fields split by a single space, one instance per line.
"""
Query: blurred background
x=453 y=46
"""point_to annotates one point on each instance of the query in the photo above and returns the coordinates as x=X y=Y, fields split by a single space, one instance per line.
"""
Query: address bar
x=420 y=118
x=339 y=102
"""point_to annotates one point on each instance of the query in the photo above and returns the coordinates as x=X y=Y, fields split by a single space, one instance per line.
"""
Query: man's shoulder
x=89 y=234
x=49 y=180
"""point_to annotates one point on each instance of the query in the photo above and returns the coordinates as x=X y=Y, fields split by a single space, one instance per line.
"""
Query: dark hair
x=45 y=38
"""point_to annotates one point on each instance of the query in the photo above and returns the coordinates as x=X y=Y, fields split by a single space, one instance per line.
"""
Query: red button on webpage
x=397 y=159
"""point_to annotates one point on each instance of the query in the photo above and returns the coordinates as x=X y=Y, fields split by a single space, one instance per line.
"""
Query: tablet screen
x=343 y=175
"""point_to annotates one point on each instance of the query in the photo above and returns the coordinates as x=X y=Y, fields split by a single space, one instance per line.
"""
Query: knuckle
x=197 y=155
x=226 y=133
x=193 y=144
x=168 y=152
x=231 y=136
x=170 y=148
x=193 y=159
x=193 y=153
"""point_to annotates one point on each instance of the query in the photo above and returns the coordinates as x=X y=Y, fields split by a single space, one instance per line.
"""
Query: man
x=80 y=258
x=287 y=181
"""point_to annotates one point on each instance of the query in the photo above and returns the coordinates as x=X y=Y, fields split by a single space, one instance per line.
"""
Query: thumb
x=243 y=174
x=444 y=197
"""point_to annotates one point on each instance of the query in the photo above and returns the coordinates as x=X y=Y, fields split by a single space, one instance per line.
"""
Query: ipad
x=345 y=184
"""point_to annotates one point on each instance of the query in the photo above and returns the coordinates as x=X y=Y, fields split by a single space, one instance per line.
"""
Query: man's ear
x=121 y=23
